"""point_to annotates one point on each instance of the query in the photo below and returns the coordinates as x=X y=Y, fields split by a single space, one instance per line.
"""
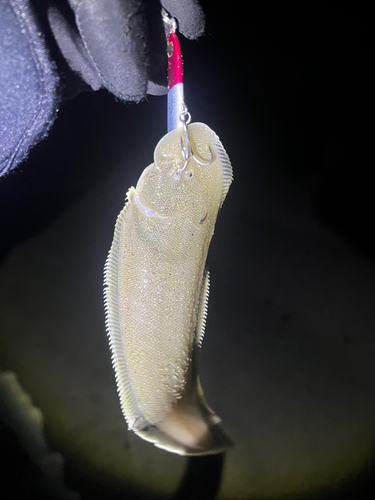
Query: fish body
x=156 y=292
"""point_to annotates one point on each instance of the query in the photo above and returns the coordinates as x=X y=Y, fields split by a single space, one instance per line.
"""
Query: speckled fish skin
x=156 y=292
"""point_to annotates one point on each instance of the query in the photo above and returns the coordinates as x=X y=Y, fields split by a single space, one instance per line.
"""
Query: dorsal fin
x=129 y=404
x=202 y=311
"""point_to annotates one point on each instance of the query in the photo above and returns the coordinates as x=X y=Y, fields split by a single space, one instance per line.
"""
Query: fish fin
x=213 y=440
x=226 y=168
x=191 y=428
x=202 y=309
x=129 y=404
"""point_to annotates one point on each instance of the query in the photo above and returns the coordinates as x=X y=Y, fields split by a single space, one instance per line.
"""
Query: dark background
x=287 y=89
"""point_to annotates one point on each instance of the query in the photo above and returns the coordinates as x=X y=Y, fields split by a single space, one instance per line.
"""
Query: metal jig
x=178 y=114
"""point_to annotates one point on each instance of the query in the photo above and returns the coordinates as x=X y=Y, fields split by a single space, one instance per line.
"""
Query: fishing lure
x=156 y=286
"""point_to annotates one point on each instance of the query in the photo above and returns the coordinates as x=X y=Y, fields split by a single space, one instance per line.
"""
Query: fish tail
x=190 y=428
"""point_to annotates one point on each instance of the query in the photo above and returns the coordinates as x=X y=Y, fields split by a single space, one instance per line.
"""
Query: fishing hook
x=187 y=150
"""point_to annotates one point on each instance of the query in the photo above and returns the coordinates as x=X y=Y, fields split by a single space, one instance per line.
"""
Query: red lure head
x=174 y=60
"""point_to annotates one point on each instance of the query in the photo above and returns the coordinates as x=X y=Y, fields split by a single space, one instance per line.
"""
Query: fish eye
x=188 y=174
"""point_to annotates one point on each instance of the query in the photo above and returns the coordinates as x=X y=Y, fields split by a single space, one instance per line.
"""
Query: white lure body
x=156 y=291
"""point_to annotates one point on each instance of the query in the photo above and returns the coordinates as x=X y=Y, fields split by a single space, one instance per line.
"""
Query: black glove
x=120 y=44
x=116 y=44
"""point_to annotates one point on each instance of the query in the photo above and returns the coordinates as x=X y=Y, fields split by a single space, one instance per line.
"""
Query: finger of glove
x=73 y=48
x=189 y=14
x=114 y=34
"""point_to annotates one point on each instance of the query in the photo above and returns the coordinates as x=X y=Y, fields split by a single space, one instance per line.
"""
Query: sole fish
x=156 y=293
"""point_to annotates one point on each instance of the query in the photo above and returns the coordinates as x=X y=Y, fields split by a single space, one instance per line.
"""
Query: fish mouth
x=145 y=210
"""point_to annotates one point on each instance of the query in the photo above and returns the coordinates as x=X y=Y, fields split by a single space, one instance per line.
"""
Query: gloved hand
x=116 y=44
